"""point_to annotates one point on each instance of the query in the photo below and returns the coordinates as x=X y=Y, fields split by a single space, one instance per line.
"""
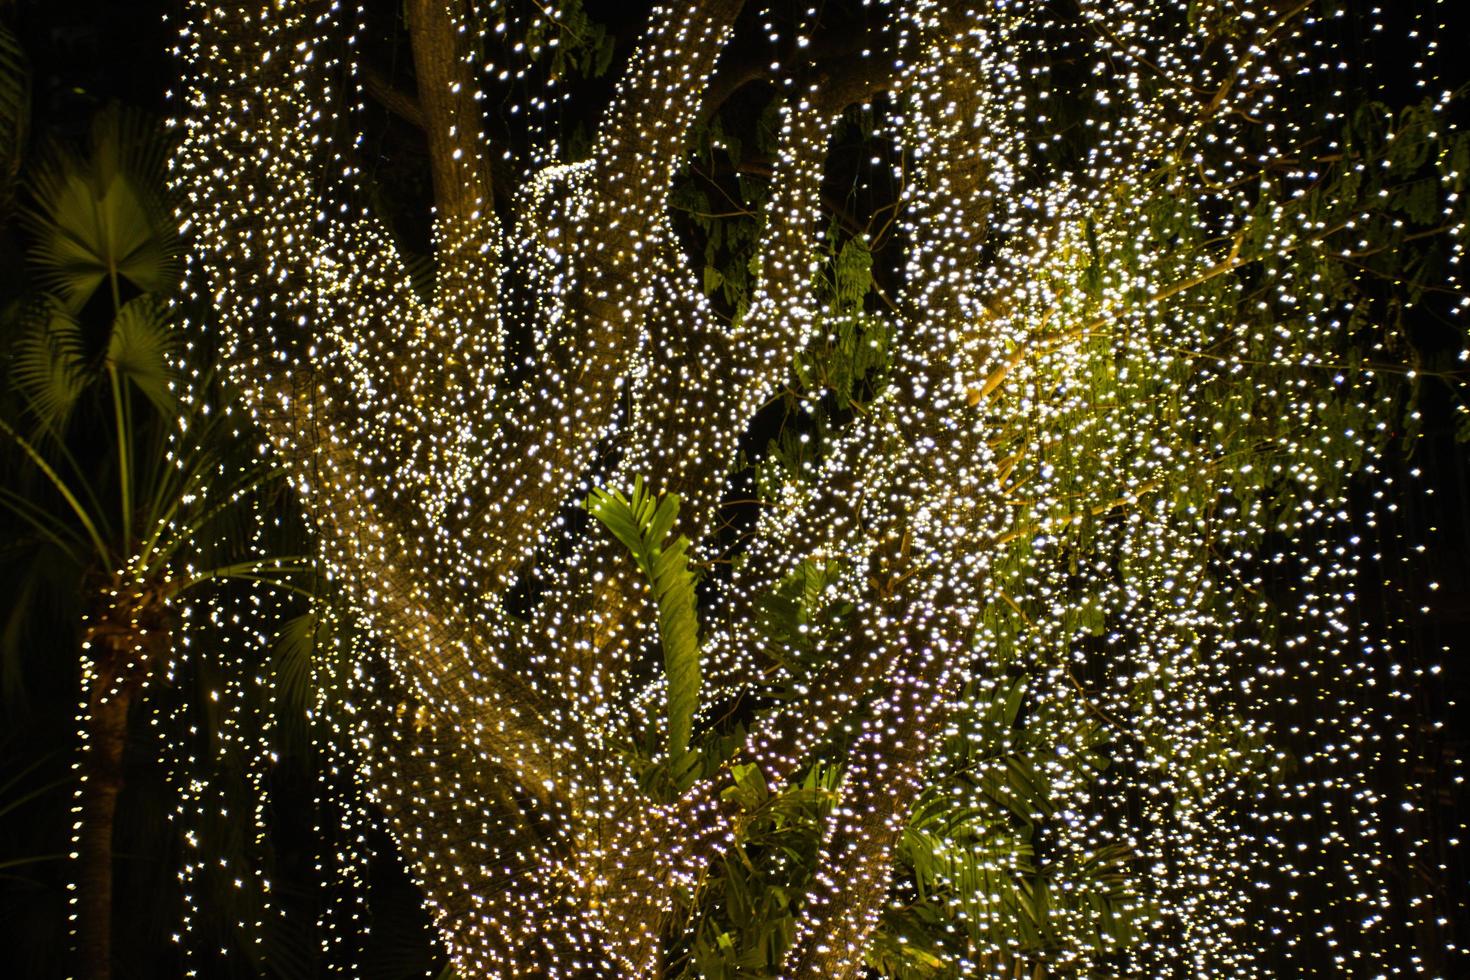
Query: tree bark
x=101 y=783
x=451 y=115
x=129 y=634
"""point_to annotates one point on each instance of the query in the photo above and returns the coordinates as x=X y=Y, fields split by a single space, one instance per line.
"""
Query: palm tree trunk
x=101 y=782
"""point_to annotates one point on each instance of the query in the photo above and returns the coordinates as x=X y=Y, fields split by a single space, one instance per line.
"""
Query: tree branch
x=926 y=639
x=543 y=452
x=835 y=57
x=467 y=235
x=451 y=117
x=326 y=340
x=395 y=100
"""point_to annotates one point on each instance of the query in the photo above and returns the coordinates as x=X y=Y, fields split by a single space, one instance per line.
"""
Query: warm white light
x=1099 y=366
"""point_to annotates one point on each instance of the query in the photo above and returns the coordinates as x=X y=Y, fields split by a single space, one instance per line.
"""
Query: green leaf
x=15 y=110
x=102 y=216
x=48 y=364
x=712 y=279
x=642 y=523
x=142 y=349
x=302 y=644
x=749 y=790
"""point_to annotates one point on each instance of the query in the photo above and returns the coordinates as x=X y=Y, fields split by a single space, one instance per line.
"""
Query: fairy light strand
x=1149 y=297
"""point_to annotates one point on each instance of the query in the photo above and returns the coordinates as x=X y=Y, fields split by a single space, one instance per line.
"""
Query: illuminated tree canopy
x=988 y=678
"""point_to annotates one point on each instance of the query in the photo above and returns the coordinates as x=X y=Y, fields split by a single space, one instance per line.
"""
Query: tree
x=1136 y=346
x=119 y=511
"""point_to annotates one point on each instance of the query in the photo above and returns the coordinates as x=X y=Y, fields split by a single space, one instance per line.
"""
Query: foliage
x=972 y=891
x=972 y=854
x=100 y=217
x=15 y=112
x=137 y=482
x=573 y=44
x=642 y=521
x=1087 y=349
x=746 y=913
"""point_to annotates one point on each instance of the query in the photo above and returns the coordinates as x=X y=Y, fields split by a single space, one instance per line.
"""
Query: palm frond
x=295 y=645
x=102 y=216
x=129 y=142
x=15 y=111
x=91 y=521
x=40 y=605
x=310 y=662
x=48 y=364
x=142 y=348
x=13 y=795
x=47 y=525
x=227 y=497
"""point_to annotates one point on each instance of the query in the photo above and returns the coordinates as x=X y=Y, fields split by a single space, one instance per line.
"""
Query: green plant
x=642 y=521
x=15 y=113
x=126 y=504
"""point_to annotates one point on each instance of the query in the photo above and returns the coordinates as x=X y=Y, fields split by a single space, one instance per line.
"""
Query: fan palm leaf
x=48 y=364
x=142 y=349
x=97 y=218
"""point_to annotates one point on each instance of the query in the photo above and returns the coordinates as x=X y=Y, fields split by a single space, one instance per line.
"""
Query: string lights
x=1118 y=411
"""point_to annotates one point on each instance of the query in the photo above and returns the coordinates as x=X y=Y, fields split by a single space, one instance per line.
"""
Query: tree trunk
x=101 y=782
